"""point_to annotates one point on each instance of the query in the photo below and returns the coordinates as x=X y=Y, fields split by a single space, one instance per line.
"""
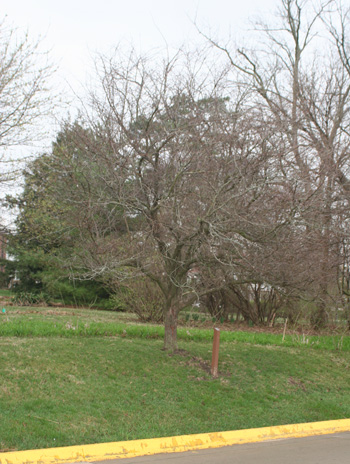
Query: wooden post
x=215 y=357
x=284 y=330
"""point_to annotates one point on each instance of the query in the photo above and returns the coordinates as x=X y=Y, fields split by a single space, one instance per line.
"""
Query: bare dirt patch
x=197 y=362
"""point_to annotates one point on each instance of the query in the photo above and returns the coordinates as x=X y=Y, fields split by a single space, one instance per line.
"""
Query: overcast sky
x=75 y=29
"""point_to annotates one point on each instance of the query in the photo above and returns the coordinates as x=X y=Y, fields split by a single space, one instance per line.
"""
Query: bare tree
x=304 y=95
x=169 y=172
x=24 y=74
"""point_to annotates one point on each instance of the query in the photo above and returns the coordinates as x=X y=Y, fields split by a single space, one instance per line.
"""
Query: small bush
x=143 y=298
x=116 y=302
x=30 y=299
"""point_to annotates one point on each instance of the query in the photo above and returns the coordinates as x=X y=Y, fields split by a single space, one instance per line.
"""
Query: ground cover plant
x=75 y=387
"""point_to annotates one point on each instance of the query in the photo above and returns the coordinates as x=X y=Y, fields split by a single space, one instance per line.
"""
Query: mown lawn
x=72 y=387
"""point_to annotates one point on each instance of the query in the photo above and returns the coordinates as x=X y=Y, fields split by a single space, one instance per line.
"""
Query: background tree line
x=213 y=176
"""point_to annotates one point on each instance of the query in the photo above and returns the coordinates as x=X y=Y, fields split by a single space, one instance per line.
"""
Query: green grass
x=58 y=392
x=75 y=377
x=4 y=292
x=53 y=322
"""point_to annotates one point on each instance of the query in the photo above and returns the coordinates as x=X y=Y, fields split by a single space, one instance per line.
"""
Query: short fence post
x=215 y=357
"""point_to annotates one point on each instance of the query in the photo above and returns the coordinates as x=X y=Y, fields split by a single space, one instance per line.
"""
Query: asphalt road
x=325 y=449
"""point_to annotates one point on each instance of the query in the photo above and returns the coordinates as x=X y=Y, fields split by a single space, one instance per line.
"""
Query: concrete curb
x=133 y=448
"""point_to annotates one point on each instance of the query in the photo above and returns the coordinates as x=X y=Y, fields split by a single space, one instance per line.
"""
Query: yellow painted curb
x=133 y=448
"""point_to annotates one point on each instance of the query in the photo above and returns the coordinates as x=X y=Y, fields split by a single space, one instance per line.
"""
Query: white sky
x=75 y=29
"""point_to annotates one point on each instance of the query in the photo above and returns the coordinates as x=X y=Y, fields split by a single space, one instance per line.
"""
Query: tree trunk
x=170 y=328
x=319 y=318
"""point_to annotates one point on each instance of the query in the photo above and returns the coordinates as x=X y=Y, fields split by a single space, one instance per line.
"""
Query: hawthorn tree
x=171 y=171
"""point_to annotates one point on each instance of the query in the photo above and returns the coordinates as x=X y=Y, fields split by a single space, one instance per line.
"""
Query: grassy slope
x=64 y=390
x=32 y=322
